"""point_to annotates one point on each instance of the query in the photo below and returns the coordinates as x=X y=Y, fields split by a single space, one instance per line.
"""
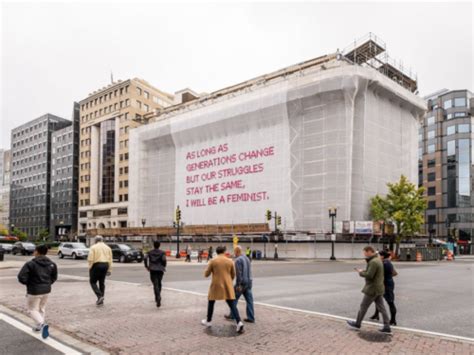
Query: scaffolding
x=371 y=51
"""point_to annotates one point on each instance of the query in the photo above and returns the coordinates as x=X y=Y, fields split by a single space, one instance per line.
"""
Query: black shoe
x=228 y=317
x=353 y=325
x=393 y=322
x=158 y=304
x=386 y=330
x=249 y=320
x=100 y=301
x=374 y=317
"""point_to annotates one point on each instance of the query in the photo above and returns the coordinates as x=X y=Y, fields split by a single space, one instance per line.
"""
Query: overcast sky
x=56 y=53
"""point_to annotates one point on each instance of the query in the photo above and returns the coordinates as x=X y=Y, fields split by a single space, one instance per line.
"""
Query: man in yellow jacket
x=100 y=264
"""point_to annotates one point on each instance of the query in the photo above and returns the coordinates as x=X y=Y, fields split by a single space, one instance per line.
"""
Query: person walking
x=100 y=266
x=209 y=253
x=38 y=275
x=200 y=251
x=188 y=253
x=373 y=290
x=389 y=296
x=155 y=263
x=248 y=253
x=223 y=272
x=243 y=284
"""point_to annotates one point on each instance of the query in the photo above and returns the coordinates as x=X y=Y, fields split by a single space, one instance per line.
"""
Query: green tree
x=404 y=206
x=43 y=234
x=19 y=234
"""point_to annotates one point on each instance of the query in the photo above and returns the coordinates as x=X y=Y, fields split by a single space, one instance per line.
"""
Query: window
x=430 y=120
x=431 y=176
x=451 y=130
x=431 y=148
x=448 y=104
x=460 y=102
x=420 y=137
x=146 y=108
x=463 y=128
x=451 y=147
x=146 y=94
x=139 y=91
x=431 y=134
x=460 y=114
x=139 y=104
x=431 y=205
x=431 y=191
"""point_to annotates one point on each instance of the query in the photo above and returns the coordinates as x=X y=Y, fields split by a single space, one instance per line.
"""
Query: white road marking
x=49 y=341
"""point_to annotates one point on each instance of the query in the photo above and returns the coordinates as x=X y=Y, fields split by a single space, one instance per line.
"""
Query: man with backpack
x=38 y=275
x=155 y=263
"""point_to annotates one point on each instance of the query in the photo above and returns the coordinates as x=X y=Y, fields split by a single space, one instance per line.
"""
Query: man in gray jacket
x=155 y=263
x=243 y=283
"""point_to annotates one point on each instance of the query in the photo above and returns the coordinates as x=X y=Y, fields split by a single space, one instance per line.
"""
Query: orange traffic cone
x=418 y=256
x=450 y=255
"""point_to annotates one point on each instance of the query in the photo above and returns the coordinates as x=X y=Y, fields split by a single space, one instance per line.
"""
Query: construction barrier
x=427 y=254
x=418 y=257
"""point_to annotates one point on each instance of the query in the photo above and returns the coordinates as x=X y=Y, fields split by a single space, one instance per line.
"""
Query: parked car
x=74 y=250
x=23 y=248
x=125 y=253
x=7 y=247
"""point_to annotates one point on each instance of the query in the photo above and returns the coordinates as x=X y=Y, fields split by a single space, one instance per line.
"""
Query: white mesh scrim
x=338 y=136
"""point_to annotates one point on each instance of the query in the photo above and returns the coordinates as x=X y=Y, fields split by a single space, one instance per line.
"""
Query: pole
x=177 y=240
x=332 y=236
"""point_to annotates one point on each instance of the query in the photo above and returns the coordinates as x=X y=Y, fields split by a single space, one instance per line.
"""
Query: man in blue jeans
x=243 y=283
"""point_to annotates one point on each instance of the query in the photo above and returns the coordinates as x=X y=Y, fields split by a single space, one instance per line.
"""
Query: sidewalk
x=130 y=323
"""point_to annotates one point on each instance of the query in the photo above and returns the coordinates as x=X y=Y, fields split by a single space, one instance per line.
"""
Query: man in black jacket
x=155 y=263
x=38 y=275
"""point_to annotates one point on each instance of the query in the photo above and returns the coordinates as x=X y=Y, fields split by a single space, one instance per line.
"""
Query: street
x=435 y=296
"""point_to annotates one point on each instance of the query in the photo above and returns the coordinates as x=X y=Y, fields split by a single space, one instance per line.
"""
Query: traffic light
x=278 y=220
x=178 y=215
x=269 y=215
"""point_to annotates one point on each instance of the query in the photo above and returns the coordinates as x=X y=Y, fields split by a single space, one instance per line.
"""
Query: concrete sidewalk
x=129 y=322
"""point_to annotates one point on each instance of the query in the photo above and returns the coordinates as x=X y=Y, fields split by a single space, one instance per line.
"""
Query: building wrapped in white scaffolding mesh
x=331 y=131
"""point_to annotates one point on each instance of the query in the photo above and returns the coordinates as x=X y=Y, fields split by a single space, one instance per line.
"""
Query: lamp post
x=332 y=215
x=12 y=228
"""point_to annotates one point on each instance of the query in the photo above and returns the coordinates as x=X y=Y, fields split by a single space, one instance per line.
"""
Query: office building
x=4 y=188
x=64 y=179
x=31 y=174
x=446 y=153
x=328 y=132
x=106 y=117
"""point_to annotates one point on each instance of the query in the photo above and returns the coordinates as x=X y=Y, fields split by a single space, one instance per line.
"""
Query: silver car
x=6 y=247
x=73 y=250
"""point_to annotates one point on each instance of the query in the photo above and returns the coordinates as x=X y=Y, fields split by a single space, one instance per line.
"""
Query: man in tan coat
x=223 y=272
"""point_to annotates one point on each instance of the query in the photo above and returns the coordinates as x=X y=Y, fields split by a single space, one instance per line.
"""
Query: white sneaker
x=240 y=328
x=205 y=323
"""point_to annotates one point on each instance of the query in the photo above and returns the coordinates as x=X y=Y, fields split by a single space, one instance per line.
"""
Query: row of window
x=63 y=137
x=85 y=202
x=123 y=197
x=123 y=156
x=124 y=144
x=29 y=149
x=64 y=148
x=85 y=190
x=62 y=160
x=19 y=190
x=431 y=120
x=86 y=154
x=123 y=183
x=29 y=178
x=106 y=110
x=104 y=98
x=62 y=171
x=29 y=139
x=30 y=129
x=29 y=168
x=28 y=159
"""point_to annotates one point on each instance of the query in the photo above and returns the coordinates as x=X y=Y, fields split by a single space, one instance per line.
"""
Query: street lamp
x=332 y=215
x=12 y=228
x=431 y=231
x=177 y=224
x=143 y=222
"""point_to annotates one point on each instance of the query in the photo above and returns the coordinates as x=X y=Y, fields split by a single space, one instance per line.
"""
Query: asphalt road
x=15 y=341
x=435 y=297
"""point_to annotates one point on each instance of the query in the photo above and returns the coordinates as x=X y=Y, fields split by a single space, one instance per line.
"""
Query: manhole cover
x=222 y=331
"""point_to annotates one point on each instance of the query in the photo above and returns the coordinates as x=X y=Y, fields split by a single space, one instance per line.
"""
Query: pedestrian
x=38 y=275
x=373 y=290
x=200 y=251
x=188 y=253
x=209 y=254
x=155 y=263
x=248 y=253
x=222 y=270
x=100 y=266
x=389 y=274
x=243 y=284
